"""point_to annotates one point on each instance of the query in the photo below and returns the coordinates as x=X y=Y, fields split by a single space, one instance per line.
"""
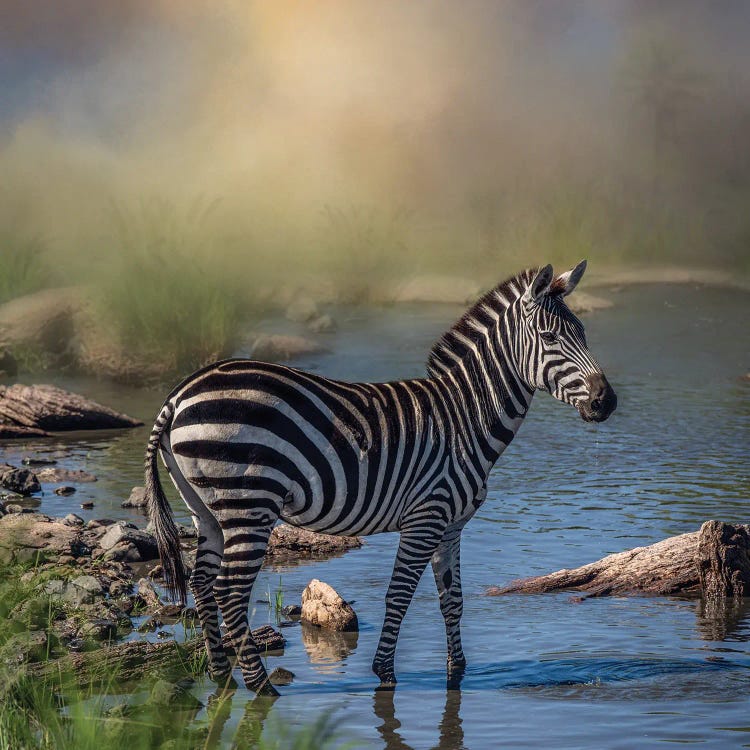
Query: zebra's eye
x=548 y=337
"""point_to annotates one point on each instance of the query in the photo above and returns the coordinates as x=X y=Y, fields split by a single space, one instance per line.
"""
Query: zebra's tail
x=167 y=538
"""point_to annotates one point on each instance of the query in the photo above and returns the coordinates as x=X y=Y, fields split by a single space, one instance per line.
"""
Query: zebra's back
x=342 y=458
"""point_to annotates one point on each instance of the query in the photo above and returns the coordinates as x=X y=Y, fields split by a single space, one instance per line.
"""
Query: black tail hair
x=167 y=537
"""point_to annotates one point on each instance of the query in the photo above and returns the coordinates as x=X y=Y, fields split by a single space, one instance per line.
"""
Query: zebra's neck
x=477 y=360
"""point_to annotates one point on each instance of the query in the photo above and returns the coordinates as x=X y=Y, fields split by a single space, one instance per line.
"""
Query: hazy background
x=372 y=138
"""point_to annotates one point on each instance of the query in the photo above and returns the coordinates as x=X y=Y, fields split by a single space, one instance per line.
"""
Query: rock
x=451 y=289
x=322 y=606
x=66 y=560
x=580 y=302
x=120 y=588
x=21 y=481
x=302 y=309
x=98 y=630
x=73 y=520
x=322 y=324
x=14 y=508
x=65 y=490
x=16 y=432
x=38 y=461
x=292 y=610
x=35 y=532
x=47 y=407
x=183 y=530
x=64 y=475
x=171 y=695
x=147 y=592
x=274 y=348
x=2 y=508
x=137 y=498
x=120 y=532
x=88 y=505
x=293 y=541
x=281 y=676
x=100 y=524
x=84 y=590
x=123 y=551
x=42 y=321
x=27 y=647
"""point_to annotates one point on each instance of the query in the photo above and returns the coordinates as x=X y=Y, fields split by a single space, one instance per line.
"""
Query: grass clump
x=170 y=292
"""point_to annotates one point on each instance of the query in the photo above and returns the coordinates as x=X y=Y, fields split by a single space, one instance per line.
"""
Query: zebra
x=247 y=443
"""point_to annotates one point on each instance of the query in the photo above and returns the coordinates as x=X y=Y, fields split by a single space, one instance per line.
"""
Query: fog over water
x=433 y=134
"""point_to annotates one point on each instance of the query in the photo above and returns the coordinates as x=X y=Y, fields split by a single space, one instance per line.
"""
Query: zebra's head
x=557 y=358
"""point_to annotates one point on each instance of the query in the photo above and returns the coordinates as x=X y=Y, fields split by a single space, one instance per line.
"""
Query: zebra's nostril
x=596 y=404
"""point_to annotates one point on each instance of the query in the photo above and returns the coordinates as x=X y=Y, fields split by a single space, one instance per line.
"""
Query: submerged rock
x=21 y=481
x=51 y=475
x=322 y=605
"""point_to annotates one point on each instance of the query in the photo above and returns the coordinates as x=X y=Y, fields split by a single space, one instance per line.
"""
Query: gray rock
x=183 y=530
x=86 y=589
x=322 y=606
x=73 y=520
x=292 y=610
x=15 y=508
x=147 y=592
x=21 y=481
x=120 y=532
x=98 y=630
x=123 y=551
x=65 y=490
x=281 y=676
x=137 y=498
x=25 y=647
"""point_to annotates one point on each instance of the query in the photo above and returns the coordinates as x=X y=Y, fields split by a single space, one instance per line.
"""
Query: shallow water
x=544 y=671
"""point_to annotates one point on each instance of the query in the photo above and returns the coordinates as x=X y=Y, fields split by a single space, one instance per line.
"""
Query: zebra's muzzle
x=601 y=402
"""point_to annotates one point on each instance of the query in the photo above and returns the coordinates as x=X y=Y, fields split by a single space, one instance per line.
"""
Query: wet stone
x=137 y=498
x=73 y=520
x=51 y=475
x=123 y=552
x=21 y=481
x=99 y=630
x=87 y=505
x=65 y=490
x=281 y=676
x=292 y=610
x=34 y=461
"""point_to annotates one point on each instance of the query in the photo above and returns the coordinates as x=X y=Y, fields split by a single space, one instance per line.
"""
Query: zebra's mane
x=453 y=345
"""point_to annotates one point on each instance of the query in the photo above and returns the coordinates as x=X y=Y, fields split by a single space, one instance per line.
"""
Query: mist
x=363 y=138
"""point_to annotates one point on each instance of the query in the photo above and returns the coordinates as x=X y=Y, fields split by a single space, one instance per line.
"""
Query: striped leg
x=207 y=566
x=415 y=548
x=244 y=547
x=446 y=565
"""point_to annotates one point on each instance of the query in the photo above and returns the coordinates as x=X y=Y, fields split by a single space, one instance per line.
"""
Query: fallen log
x=133 y=660
x=713 y=562
x=46 y=407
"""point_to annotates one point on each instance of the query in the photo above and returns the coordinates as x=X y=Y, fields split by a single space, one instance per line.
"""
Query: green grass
x=168 y=289
x=23 y=264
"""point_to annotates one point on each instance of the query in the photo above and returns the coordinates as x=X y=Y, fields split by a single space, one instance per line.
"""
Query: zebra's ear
x=568 y=281
x=540 y=285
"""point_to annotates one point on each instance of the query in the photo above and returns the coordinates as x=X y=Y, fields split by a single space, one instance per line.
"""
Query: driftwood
x=131 y=661
x=713 y=562
x=45 y=407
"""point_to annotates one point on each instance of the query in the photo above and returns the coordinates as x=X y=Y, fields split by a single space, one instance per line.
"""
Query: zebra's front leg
x=415 y=548
x=446 y=566
x=244 y=549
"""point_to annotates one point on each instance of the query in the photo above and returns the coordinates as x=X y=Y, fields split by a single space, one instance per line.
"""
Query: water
x=544 y=671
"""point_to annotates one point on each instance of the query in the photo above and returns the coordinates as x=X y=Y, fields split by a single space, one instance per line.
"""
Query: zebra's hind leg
x=415 y=549
x=207 y=565
x=446 y=566
x=245 y=542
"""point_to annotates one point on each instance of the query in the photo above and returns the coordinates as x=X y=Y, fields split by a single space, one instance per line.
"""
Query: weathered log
x=131 y=661
x=16 y=432
x=47 y=407
x=713 y=562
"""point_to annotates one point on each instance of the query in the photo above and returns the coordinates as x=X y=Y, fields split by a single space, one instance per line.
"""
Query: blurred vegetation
x=54 y=713
x=167 y=288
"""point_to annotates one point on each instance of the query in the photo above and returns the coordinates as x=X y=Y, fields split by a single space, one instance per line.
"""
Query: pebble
x=65 y=490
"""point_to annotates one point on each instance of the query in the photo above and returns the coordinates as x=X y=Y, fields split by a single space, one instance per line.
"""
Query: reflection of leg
x=243 y=555
x=446 y=566
x=451 y=729
x=389 y=726
x=219 y=710
x=207 y=565
x=251 y=724
x=417 y=544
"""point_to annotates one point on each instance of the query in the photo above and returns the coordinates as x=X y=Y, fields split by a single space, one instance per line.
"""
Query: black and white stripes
x=247 y=443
